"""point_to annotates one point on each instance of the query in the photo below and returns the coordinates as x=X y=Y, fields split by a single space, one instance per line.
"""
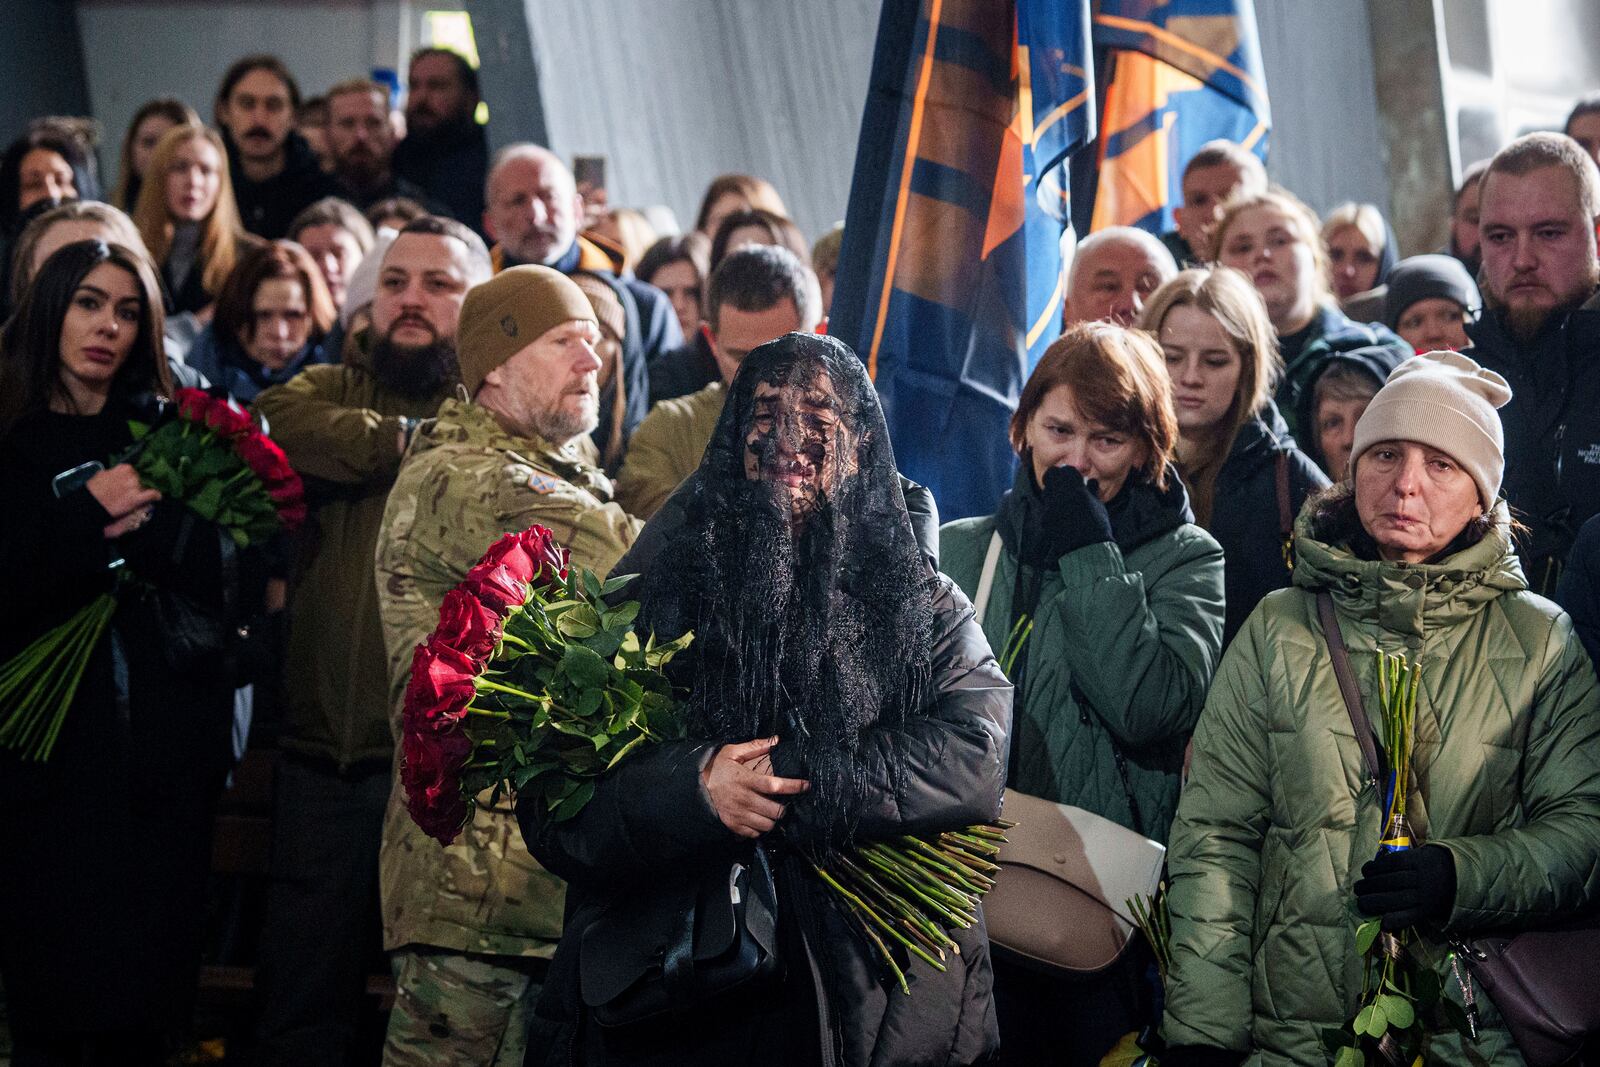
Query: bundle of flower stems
x=912 y=891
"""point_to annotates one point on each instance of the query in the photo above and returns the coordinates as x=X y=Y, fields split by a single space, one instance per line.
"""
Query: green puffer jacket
x=1278 y=818
x=1132 y=627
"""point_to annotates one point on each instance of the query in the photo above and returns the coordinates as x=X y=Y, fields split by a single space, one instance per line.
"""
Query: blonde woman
x=1361 y=251
x=1273 y=239
x=1246 y=477
x=187 y=216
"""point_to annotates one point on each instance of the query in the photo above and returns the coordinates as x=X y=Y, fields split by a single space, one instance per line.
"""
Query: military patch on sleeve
x=541 y=483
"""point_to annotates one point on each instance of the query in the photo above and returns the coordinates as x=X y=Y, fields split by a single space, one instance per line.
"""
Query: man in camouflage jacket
x=473 y=923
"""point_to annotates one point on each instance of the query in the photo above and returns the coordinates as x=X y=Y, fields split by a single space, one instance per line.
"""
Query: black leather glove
x=1200 y=1056
x=1073 y=514
x=1404 y=888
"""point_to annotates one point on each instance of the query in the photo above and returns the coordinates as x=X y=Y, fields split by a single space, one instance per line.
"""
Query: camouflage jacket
x=463 y=483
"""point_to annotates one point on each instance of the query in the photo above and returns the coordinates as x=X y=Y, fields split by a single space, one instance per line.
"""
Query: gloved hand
x=1404 y=888
x=1073 y=514
x=1200 y=1056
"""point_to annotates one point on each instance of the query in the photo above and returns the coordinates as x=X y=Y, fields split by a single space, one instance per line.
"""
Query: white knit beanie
x=1444 y=400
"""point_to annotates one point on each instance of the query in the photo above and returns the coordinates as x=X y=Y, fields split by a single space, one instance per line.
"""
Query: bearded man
x=345 y=428
x=1538 y=205
x=838 y=689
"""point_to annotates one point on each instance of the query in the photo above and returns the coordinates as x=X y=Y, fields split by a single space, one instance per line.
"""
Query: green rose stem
x=38 y=685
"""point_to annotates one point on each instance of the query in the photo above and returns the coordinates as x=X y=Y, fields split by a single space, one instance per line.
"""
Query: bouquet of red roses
x=533 y=680
x=205 y=453
x=530 y=680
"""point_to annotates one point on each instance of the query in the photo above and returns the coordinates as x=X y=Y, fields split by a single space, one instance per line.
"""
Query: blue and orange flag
x=949 y=282
x=1181 y=73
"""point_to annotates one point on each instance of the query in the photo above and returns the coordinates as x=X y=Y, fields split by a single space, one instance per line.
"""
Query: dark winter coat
x=1578 y=592
x=651 y=816
x=267 y=207
x=1245 y=513
x=686 y=369
x=450 y=164
x=1126 y=636
x=1330 y=333
x=107 y=845
x=1552 y=428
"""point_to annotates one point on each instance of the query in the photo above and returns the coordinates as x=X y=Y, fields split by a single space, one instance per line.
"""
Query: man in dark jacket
x=533 y=212
x=361 y=144
x=275 y=173
x=345 y=428
x=1219 y=170
x=1538 y=204
x=826 y=647
x=445 y=151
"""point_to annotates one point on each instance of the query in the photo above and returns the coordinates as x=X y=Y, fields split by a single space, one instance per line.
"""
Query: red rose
x=549 y=558
x=228 y=419
x=532 y=556
x=193 y=403
x=263 y=457
x=496 y=586
x=292 y=514
x=440 y=688
x=467 y=625
x=430 y=770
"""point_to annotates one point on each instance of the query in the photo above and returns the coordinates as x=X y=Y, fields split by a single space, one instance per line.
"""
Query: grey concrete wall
x=39 y=52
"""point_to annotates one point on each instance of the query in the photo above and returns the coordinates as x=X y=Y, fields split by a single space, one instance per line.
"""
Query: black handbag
x=668 y=948
x=1544 y=982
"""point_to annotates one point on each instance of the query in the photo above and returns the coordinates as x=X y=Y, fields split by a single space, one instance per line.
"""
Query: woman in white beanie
x=1275 y=835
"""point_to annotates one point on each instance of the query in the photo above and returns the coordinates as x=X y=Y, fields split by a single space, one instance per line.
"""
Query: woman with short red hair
x=1096 y=546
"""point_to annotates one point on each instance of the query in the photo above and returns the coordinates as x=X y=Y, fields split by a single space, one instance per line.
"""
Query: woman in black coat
x=1246 y=478
x=837 y=689
x=107 y=843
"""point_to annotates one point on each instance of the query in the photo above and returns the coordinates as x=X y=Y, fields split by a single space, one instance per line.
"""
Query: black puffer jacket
x=1245 y=512
x=650 y=818
x=1552 y=427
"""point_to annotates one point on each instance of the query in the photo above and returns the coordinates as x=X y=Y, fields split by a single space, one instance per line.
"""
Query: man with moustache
x=1538 y=203
x=345 y=428
x=361 y=145
x=474 y=924
x=275 y=173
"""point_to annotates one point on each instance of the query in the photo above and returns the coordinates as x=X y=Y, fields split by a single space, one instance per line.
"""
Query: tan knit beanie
x=509 y=312
x=1444 y=400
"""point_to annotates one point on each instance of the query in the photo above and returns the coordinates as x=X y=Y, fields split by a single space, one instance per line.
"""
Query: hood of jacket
x=1139 y=514
x=1259 y=441
x=1398 y=597
x=1374 y=360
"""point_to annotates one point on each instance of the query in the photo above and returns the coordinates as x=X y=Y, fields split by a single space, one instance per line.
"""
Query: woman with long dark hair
x=106 y=843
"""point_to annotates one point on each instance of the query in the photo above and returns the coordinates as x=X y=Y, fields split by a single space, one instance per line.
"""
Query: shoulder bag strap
x=1285 y=509
x=1285 y=506
x=991 y=560
x=1347 y=685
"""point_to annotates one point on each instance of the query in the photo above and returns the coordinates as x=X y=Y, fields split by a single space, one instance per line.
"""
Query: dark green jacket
x=1278 y=817
x=1125 y=640
x=341 y=431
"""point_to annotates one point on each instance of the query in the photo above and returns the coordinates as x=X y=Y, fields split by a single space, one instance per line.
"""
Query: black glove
x=1404 y=888
x=1200 y=1056
x=1073 y=514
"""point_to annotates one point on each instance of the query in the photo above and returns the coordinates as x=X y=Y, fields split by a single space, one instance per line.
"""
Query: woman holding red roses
x=106 y=843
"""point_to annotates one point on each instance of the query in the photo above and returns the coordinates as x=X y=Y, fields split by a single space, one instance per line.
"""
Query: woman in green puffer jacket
x=1276 y=834
x=1098 y=548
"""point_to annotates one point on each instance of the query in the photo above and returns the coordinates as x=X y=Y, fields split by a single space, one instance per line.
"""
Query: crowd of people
x=1256 y=413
